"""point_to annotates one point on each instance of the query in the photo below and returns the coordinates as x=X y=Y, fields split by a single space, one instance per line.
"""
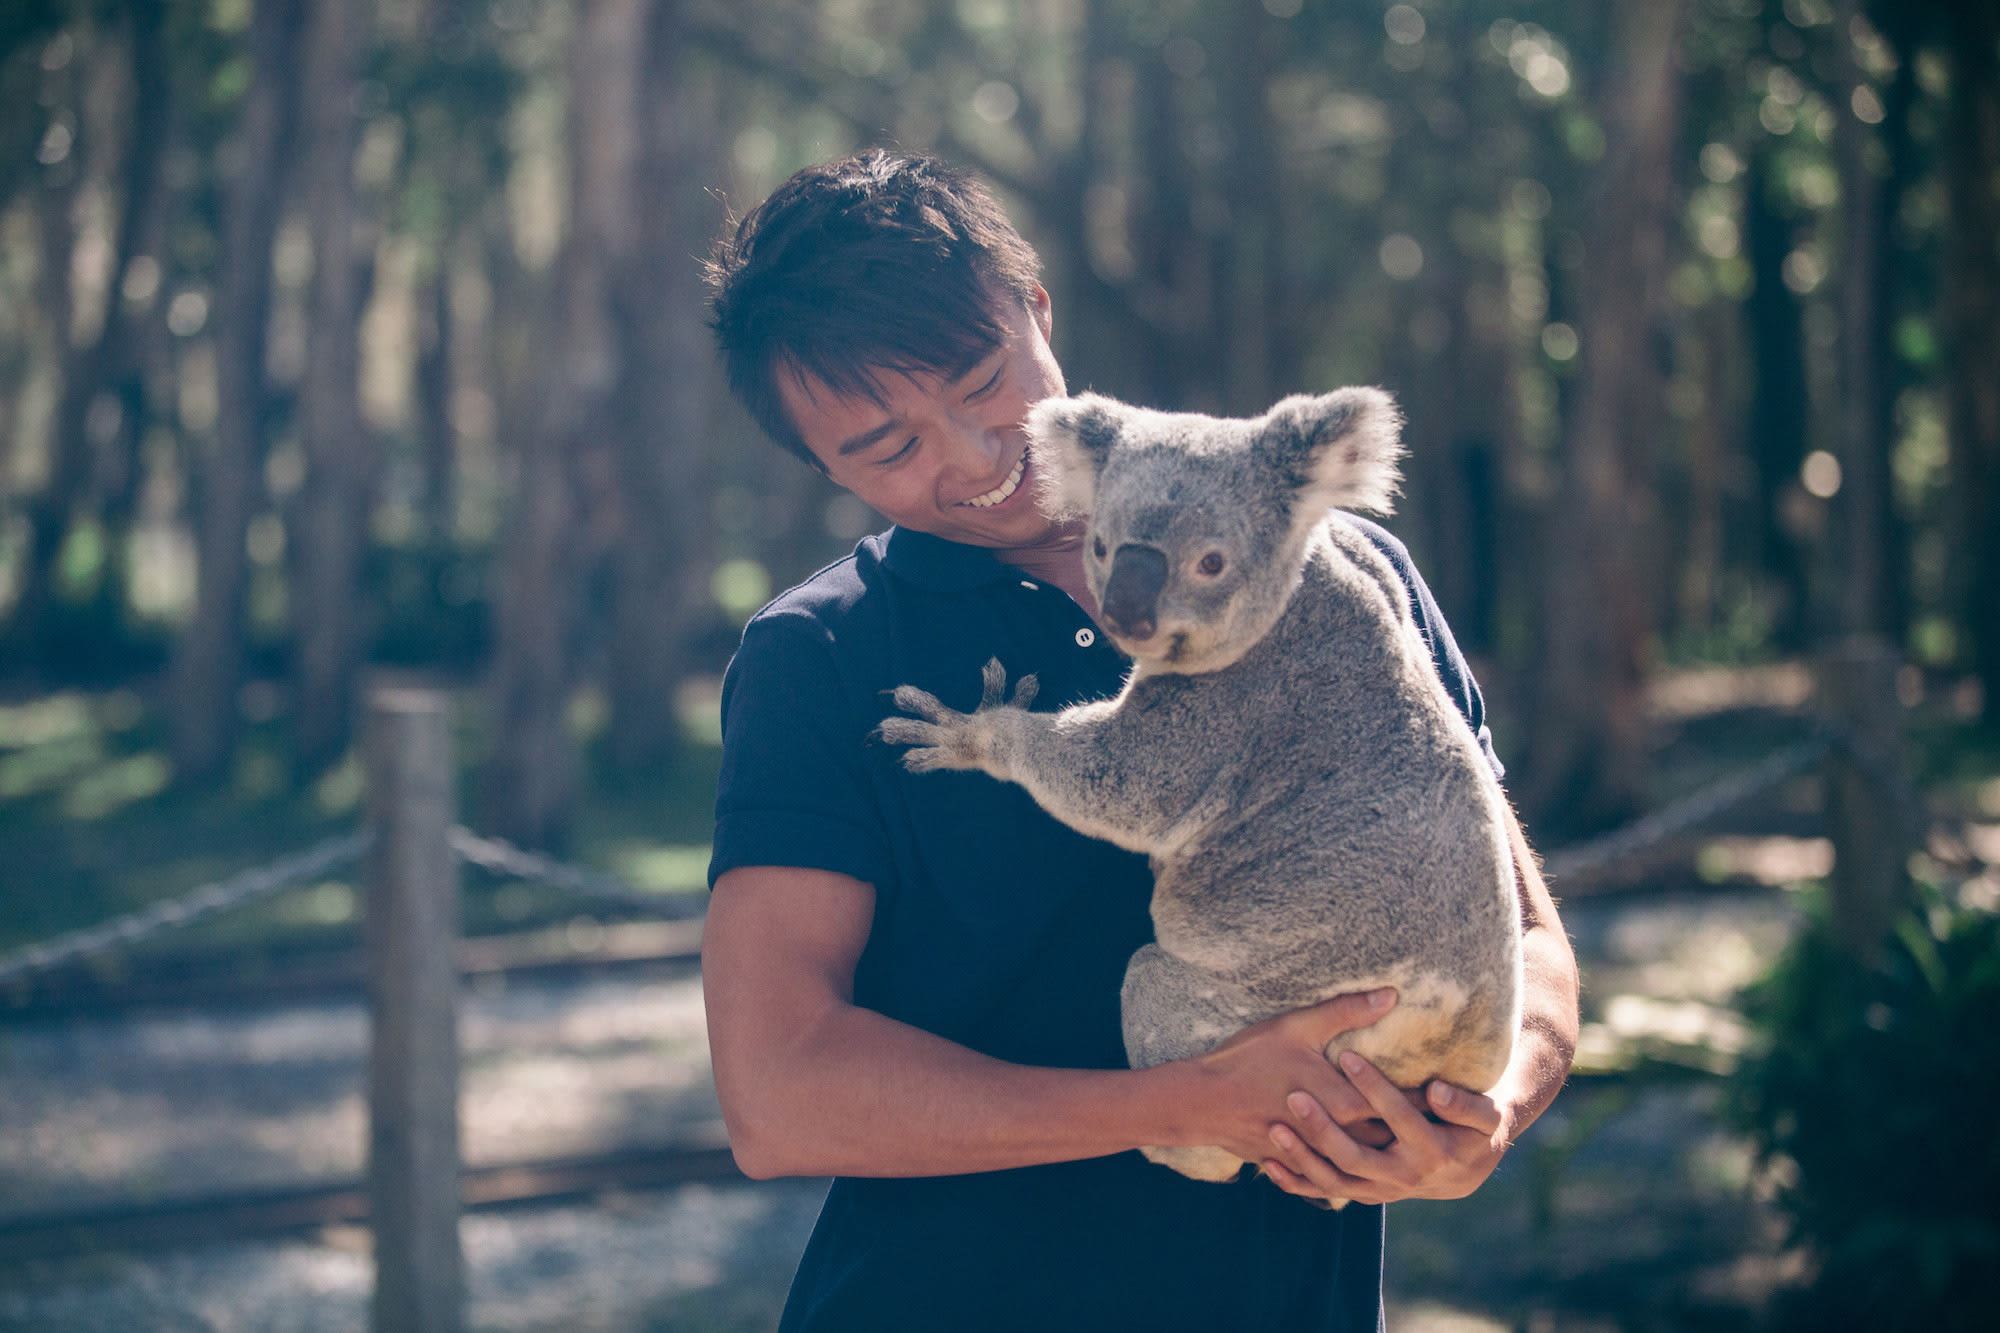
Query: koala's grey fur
x=1320 y=818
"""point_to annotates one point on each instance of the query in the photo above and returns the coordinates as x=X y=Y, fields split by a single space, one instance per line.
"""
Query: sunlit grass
x=670 y=869
x=92 y=826
x=117 y=784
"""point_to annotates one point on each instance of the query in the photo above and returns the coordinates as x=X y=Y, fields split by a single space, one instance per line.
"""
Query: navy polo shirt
x=1001 y=929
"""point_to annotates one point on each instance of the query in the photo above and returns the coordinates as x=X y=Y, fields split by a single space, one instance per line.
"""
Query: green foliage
x=1872 y=1102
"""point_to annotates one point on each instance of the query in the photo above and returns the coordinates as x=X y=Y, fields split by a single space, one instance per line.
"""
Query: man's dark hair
x=880 y=261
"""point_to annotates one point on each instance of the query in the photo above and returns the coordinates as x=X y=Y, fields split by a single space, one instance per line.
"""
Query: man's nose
x=1133 y=590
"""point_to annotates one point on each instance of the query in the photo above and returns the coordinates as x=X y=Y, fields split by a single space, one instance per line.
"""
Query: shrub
x=1874 y=1099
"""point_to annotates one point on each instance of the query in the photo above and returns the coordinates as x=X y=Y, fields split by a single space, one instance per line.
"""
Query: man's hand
x=1318 y=1155
x=1447 y=1158
x=1241 y=1088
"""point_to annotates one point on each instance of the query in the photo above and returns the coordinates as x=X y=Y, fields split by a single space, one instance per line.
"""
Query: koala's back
x=1352 y=835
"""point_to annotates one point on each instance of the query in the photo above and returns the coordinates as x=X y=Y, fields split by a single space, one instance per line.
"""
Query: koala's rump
x=1426 y=907
x=1405 y=875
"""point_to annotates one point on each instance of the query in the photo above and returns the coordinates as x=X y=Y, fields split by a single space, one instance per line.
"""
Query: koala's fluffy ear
x=1070 y=439
x=1336 y=449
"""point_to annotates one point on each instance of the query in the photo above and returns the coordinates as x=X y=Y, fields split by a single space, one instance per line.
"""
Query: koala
x=1318 y=816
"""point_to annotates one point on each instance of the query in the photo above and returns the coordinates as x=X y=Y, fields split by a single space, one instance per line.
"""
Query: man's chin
x=1001 y=533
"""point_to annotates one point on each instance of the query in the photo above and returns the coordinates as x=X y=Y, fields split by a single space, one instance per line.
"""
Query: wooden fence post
x=412 y=939
x=1867 y=795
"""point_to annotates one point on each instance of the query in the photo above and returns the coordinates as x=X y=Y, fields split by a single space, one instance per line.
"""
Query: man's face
x=947 y=457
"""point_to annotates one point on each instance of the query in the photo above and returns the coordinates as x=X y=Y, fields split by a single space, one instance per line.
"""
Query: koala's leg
x=1173 y=1011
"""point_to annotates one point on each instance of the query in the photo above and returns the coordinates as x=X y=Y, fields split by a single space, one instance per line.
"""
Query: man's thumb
x=1344 y=1013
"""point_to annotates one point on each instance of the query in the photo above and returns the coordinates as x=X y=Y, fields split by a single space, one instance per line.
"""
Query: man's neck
x=1056 y=559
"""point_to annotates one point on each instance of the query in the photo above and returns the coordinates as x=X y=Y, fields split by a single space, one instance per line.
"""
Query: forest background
x=340 y=336
x=349 y=342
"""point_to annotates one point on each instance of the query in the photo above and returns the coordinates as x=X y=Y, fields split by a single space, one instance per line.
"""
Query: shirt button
x=1085 y=637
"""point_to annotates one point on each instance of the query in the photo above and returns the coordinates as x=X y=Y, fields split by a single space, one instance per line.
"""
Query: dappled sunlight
x=116 y=785
x=670 y=869
x=1772 y=861
x=1679 y=695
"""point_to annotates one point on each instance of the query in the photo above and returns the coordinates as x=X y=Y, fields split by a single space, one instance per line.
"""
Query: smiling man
x=912 y=980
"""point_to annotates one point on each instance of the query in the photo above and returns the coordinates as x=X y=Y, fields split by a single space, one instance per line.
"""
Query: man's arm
x=1448 y=1160
x=812 y=1084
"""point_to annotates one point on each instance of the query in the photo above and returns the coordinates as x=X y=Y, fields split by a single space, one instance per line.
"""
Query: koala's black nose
x=1137 y=575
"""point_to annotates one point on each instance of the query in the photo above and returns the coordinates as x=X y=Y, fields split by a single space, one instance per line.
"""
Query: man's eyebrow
x=862 y=441
x=967 y=367
x=865 y=439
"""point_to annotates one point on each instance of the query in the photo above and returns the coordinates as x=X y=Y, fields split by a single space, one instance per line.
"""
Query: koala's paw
x=945 y=738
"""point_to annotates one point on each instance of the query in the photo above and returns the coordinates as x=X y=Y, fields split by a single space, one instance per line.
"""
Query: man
x=912 y=980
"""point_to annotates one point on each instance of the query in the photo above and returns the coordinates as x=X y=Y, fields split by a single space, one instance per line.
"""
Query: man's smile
x=1002 y=493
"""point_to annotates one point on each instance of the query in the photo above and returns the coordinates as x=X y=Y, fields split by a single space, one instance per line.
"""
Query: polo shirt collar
x=942 y=566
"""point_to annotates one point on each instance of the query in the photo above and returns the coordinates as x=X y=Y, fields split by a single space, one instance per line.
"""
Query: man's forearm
x=1546 y=1046
x=860 y=1094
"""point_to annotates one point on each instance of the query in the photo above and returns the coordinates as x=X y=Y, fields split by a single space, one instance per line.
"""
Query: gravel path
x=1626 y=1207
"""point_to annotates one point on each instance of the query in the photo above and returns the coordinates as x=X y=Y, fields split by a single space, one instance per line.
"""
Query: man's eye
x=987 y=387
x=899 y=455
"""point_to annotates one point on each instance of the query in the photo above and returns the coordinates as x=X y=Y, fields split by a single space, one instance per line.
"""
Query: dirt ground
x=1626 y=1207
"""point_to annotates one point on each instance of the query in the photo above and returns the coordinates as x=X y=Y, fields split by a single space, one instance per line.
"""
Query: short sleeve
x=793 y=790
x=1450 y=663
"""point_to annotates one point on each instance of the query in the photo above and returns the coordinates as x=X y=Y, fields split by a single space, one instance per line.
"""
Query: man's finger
x=1344 y=1013
x=1340 y=1103
x=1327 y=1139
x=1471 y=1109
x=1312 y=1171
x=1291 y=1182
x=1407 y=1121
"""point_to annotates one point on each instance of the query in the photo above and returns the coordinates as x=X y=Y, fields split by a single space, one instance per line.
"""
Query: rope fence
x=499 y=857
x=413 y=853
x=1581 y=860
x=198 y=904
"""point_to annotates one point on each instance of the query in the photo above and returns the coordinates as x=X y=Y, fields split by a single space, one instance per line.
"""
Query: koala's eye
x=1097 y=548
x=1211 y=564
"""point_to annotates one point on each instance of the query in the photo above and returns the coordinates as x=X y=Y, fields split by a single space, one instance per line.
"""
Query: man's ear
x=1069 y=439
x=1335 y=449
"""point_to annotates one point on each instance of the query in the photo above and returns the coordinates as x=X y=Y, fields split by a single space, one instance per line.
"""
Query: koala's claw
x=993 y=683
x=946 y=738
x=907 y=731
x=1024 y=691
x=923 y=703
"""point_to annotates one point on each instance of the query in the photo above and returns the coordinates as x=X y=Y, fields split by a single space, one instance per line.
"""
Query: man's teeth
x=1000 y=493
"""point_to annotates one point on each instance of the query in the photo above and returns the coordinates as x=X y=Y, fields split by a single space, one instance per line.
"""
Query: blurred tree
x=1584 y=766
x=661 y=552
x=573 y=411
x=332 y=509
x=102 y=409
x=208 y=656
x=1972 y=324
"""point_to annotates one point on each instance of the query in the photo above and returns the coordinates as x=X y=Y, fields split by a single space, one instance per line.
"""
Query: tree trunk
x=1257 y=344
x=331 y=508
x=1972 y=324
x=434 y=386
x=1863 y=509
x=1779 y=404
x=662 y=463
x=208 y=656
x=1587 y=745
x=102 y=404
x=531 y=786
